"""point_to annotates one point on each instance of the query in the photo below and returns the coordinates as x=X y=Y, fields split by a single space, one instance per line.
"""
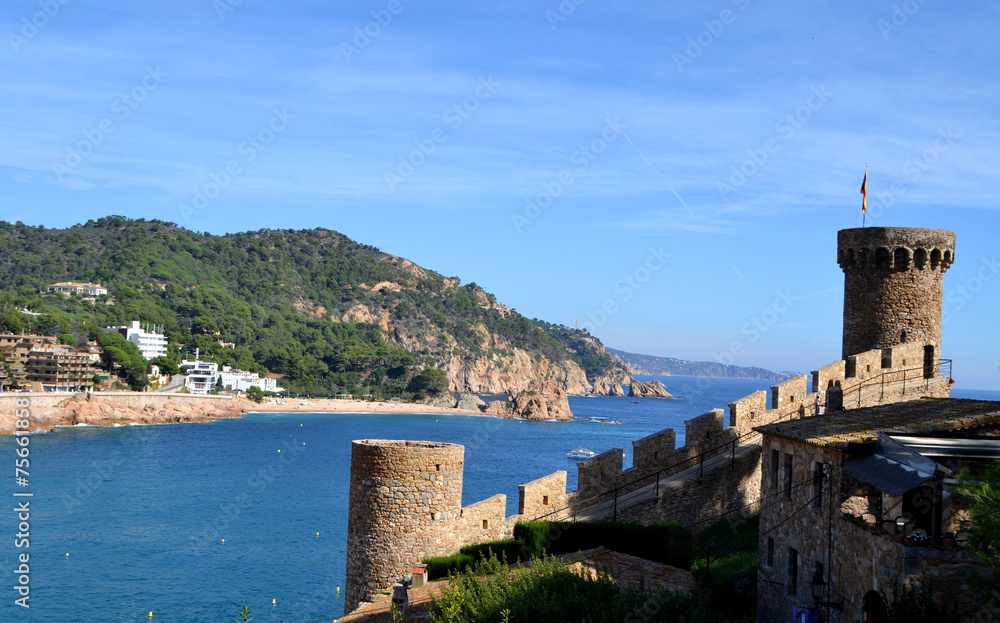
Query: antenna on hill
x=577 y=323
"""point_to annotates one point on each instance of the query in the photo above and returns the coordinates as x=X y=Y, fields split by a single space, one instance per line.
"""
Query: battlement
x=893 y=285
x=888 y=249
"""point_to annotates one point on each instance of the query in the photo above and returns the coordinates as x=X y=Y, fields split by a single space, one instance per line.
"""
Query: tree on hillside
x=125 y=356
x=431 y=381
x=983 y=525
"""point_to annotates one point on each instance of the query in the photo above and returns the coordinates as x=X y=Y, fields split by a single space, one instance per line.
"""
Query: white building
x=202 y=376
x=240 y=380
x=151 y=343
x=83 y=289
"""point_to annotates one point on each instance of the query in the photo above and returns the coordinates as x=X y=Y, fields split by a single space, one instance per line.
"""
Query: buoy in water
x=338 y=589
x=317 y=534
x=223 y=540
x=67 y=554
x=274 y=601
x=151 y=615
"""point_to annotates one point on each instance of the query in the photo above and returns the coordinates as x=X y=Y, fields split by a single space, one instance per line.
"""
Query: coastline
x=48 y=412
x=333 y=405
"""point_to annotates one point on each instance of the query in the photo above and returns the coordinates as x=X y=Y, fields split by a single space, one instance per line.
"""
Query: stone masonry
x=406 y=503
x=893 y=285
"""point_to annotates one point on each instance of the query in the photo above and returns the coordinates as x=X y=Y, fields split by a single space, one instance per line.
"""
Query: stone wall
x=406 y=504
x=791 y=518
x=542 y=496
x=698 y=502
x=653 y=451
x=893 y=285
x=135 y=400
x=486 y=520
x=600 y=473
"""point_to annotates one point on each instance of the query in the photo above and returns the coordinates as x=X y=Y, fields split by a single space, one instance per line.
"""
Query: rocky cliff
x=110 y=412
x=547 y=402
x=608 y=387
x=652 y=389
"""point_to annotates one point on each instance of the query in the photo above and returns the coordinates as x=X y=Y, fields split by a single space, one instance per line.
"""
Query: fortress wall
x=406 y=503
x=654 y=450
x=599 y=473
x=702 y=500
x=789 y=395
x=485 y=521
x=748 y=412
x=542 y=496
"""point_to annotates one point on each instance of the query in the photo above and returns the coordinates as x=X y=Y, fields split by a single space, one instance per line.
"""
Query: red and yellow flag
x=864 y=192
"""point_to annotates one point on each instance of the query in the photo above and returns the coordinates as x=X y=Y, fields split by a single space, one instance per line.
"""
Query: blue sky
x=708 y=151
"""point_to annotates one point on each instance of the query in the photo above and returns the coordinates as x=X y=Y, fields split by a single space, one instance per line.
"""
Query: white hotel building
x=202 y=376
x=151 y=344
x=239 y=380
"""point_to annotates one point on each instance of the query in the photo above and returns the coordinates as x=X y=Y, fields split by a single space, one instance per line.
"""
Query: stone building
x=893 y=280
x=862 y=500
x=406 y=503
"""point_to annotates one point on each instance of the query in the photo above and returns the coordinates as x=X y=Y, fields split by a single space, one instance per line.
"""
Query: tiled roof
x=836 y=430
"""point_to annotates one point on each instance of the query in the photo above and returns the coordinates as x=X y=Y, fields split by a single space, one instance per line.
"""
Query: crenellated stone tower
x=893 y=285
x=405 y=505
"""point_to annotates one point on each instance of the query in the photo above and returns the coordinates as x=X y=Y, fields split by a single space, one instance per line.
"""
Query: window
x=775 y=465
x=486 y=524
x=792 y=585
x=788 y=475
x=545 y=500
x=817 y=485
x=770 y=551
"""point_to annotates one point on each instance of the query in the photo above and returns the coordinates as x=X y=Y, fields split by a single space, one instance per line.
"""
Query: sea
x=183 y=523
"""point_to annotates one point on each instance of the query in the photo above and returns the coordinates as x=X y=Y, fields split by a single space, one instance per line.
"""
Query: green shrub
x=443 y=566
x=666 y=543
x=489 y=592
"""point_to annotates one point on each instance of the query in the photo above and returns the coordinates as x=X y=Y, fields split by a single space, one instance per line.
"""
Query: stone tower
x=893 y=285
x=405 y=505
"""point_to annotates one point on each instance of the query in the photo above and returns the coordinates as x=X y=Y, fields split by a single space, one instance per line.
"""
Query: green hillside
x=669 y=366
x=328 y=313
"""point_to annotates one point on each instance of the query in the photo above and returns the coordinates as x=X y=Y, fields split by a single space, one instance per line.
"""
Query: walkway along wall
x=406 y=495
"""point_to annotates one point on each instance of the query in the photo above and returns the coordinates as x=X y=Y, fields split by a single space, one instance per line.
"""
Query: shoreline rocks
x=651 y=389
x=548 y=402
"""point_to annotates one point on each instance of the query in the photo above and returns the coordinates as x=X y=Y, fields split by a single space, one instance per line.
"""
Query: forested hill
x=314 y=306
x=668 y=366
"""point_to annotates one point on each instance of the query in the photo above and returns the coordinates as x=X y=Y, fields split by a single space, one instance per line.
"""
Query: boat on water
x=580 y=453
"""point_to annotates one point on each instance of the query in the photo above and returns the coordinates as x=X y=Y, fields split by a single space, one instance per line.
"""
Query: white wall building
x=83 y=289
x=202 y=376
x=151 y=344
x=240 y=380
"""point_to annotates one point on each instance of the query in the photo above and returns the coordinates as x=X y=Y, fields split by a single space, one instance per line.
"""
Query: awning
x=894 y=468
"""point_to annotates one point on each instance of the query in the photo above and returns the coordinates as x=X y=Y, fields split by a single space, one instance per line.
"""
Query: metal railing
x=924 y=375
x=601 y=497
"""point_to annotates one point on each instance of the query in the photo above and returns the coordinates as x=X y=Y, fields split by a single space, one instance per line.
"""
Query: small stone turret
x=893 y=285
x=405 y=505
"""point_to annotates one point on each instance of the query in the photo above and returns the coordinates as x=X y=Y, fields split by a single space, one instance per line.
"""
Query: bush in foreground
x=491 y=592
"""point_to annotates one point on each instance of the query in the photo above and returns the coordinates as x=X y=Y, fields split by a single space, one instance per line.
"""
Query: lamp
x=817 y=585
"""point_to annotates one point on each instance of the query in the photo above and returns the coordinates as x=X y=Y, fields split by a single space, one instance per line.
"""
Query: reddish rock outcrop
x=603 y=387
x=548 y=402
x=652 y=389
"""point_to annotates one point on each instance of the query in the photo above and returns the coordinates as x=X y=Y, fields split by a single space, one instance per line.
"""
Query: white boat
x=580 y=453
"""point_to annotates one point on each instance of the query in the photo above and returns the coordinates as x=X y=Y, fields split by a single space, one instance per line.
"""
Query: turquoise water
x=142 y=511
